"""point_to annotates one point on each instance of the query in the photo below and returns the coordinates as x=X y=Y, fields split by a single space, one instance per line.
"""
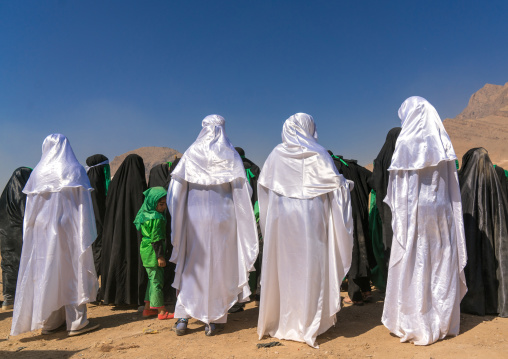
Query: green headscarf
x=147 y=210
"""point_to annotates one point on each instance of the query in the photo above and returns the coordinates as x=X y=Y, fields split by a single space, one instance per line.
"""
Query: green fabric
x=153 y=230
x=147 y=210
x=249 y=174
x=154 y=290
x=340 y=159
x=457 y=164
x=256 y=211
x=378 y=275
x=107 y=176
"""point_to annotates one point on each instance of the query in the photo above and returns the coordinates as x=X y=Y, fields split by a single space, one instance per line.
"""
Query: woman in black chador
x=99 y=175
x=485 y=223
x=379 y=183
x=363 y=256
x=12 y=211
x=123 y=277
x=160 y=176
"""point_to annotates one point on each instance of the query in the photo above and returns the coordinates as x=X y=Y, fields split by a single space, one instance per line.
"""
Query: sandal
x=61 y=328
x=347 y=302
x=149 y=312
x=166 y=315
x=88 y=328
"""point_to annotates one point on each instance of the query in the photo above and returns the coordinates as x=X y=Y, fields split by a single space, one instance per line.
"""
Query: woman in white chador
x=426 y=272
x=307 y=226
x=56 y=274
x=214 y=237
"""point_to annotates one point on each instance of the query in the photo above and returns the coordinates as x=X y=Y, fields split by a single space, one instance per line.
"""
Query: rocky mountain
x=491 y=100
x=483 y=123
x=152 y=156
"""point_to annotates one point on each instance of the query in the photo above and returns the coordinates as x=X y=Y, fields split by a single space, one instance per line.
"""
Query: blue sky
x=117 y=75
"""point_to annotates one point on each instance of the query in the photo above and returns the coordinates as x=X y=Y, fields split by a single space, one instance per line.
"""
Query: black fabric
x=12 y=211
x=379 y=182
x=503 y=180
x=269 y=345
x=485 y=211
x=123 y=276
x=160 y=176
x=248 y=164
x=98 y=182
x=363 y=255
x=158 y=248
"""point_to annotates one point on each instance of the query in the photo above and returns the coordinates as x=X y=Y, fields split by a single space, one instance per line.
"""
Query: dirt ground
x=357 y=334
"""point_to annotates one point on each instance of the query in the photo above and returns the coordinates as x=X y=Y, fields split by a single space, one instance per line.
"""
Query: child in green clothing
x=151 y=221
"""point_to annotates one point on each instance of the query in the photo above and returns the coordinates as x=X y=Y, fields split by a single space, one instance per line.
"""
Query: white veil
x=423 y=141
x=211 y=159
x=300 y=167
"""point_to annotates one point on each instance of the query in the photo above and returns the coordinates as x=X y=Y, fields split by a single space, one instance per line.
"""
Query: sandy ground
x=357 y=334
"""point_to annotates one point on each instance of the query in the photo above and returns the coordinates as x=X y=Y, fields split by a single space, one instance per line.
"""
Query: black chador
x=363 y=256
x=485 y=211
x=503 y=178
x=123 y=277
x=160 y=175
x=99 y=176
x=12 y=211
x=379 y=183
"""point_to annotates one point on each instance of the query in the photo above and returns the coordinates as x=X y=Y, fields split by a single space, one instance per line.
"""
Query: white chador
x=214 y=236
x=56 y=274
x=426 y=272
x=305 y=218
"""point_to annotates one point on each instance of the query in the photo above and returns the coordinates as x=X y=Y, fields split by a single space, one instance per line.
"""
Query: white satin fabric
x=300 y=167
x=87 y=168
x=214 y=234
x=56 y=267
x=211 y=159
x=423 y=141
x=57 y=169
x=306 y=220
x=426 y=281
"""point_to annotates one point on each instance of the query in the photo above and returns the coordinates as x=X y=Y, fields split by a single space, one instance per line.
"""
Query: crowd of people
x=211 y=231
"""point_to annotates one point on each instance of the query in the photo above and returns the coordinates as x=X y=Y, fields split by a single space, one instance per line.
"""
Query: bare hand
x=161 y=261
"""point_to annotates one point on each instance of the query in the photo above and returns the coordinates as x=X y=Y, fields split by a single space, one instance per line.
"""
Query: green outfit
x=153 y=231
x=378 y=273
x=152 y=225
x=154 y=290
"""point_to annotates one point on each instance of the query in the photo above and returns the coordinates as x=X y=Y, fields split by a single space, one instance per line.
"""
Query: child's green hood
x=147 y=210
